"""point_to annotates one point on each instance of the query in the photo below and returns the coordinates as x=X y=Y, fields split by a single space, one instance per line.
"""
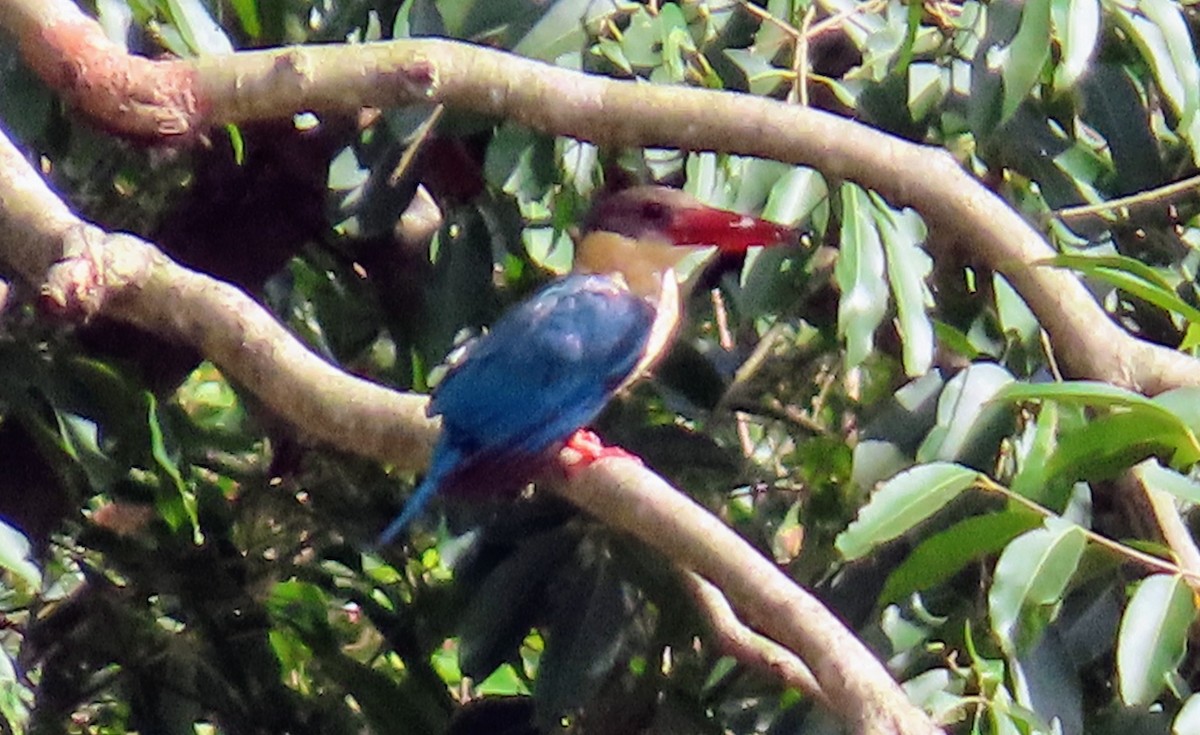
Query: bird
x=518 y=394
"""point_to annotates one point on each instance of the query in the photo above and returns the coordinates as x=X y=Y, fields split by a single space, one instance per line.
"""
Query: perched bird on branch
x=520 y=393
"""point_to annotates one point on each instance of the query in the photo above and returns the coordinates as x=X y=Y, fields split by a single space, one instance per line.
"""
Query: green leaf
x=1034 y=450
x=79 y=438
x=175 y=504
x=521 y=162
x=1077 y=27
x=1109 y=444
x=1024 y=59
x=860 y=276
x=1087 y=393
x=615 y=53
x=1183 y=403
x=939 y=693
x=797 y=196
x=640 y=41
x=928 y=84
x=15 y=698
x=247 y=14
x=1153 y=637
x=201 y=33
x=901 y=503
x=676 y=42
x=1016 y=318
x=1135 y=428
x=561 y=29
x=1131 y=276
x=1188 y=719
x=1028 y=583
x=1157 y=477
x=418 y=18
x=970 y=422
x=908 y=265
x=762 y=77
x=941 y=556
x=15 y=557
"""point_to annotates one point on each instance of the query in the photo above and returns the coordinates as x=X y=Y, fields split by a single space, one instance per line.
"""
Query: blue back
x=545 y=369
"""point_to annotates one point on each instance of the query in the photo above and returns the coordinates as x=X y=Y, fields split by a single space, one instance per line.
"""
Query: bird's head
x=644 y=232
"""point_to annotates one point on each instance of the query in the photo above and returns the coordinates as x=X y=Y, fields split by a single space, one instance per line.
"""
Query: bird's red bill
x=729 y=231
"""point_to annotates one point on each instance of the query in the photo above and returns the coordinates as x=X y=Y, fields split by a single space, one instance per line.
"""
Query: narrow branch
x=1161 y=196
x=1157 y=510
x=748 y=647
x=1118 y=548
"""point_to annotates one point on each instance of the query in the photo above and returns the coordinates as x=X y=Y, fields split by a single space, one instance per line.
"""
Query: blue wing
x=545 y=369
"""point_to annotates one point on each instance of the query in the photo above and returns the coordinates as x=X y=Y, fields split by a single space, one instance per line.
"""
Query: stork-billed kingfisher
x=518 y=394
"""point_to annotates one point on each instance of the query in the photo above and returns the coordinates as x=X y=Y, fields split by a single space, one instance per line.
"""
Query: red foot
x=584 y=447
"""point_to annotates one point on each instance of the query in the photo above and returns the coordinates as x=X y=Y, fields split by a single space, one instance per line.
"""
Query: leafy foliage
x=888 y=426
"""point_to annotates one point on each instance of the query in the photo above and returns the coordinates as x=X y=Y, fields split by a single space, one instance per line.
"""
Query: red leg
x=584 y=447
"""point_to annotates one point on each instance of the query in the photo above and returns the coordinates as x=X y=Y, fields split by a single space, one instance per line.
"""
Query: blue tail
x=444 y=460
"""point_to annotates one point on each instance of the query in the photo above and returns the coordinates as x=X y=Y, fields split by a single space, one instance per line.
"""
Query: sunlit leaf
x=561 y=29
x=16 y=698
x=15 y=557
x=908 y=265
x=1026 y=56
x=1157 y=477
x=199 y=30
x=1188 y=719
x=970 y=421
x=860 y=276
x=1153 y=637
x=1029 y=581
x=1131 y=276
x=1077 y=27
x=901 y=503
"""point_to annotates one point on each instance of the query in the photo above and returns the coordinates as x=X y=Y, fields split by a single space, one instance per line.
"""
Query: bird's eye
x=655 y=212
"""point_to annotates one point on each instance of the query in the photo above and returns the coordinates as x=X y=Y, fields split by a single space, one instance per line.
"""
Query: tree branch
x=747 y=646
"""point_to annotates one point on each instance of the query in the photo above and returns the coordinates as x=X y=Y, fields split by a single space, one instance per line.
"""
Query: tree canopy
x=932 y=469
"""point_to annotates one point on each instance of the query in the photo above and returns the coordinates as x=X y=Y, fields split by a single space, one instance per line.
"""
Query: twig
x=1122 y=205
x=1117 y=547
x=748 y=647
x=725 y=340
